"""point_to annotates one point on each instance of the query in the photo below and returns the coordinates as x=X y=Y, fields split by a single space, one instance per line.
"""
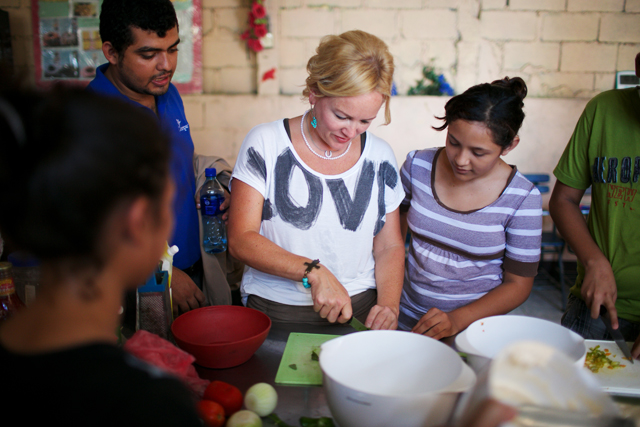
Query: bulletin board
x=68 y=49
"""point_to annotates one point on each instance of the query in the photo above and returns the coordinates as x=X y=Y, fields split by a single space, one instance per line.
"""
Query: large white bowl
x=392 y=378
x=484 y=338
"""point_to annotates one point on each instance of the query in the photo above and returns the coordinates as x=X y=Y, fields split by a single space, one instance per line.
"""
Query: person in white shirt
x=321 y=187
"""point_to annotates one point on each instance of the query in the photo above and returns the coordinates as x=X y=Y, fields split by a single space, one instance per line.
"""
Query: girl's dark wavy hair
x=118 y=16
x=68 y=159
x=498 y=105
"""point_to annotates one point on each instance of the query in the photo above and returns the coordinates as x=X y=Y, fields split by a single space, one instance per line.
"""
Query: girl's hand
x=382 y=317
x=330 y=299
x=436 y=324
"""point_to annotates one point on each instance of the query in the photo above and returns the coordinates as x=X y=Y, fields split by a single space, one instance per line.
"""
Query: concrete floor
x=545 y=301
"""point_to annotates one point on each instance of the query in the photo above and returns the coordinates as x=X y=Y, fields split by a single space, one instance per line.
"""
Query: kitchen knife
x=615 y=333
x=357 y=325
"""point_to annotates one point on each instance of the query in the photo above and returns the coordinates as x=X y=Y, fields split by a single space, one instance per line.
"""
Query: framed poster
x=67 y=45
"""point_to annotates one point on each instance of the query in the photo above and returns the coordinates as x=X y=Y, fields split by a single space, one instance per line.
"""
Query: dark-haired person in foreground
x=140 y=41
x=475 y=221
x=98 y=221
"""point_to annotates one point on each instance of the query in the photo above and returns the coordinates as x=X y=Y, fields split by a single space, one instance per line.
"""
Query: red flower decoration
x=260 y=30
x=254 y=45
x=258 y=11
x=257 y=26
x=252 y=20
x=269 y=75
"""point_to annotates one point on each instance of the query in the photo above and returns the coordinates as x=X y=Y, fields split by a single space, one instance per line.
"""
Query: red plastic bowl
x=221 y=336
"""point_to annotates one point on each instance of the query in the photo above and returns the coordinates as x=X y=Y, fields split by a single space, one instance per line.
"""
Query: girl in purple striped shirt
x=475 y=221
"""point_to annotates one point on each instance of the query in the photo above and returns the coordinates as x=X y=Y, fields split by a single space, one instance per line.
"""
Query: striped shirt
x=457 y=257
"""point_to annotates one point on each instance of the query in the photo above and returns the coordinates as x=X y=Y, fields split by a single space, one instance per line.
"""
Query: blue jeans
x=578 y=319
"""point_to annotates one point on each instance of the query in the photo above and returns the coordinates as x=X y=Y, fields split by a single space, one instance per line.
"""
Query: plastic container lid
x=210 y=172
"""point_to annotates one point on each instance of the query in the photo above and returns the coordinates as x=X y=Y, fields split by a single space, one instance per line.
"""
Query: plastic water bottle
x=214 y=231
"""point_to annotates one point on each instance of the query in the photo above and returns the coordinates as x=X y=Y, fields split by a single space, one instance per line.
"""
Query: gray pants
x=578 y=319
x=361 y=303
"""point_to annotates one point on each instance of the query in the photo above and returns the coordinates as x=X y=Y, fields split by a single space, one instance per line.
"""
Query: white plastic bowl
x=484 y=338
x=392 y=378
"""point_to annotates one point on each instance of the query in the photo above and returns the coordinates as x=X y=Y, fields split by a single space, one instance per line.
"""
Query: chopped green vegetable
x=597 y=359
x=293 y=366
x=316 y=422
x=277 y=421
x=314 y=356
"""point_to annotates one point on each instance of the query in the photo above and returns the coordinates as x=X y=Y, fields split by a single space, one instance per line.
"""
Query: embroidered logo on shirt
x=182 y=128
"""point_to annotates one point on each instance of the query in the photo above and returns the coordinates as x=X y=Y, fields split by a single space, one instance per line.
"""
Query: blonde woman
x=314 y=206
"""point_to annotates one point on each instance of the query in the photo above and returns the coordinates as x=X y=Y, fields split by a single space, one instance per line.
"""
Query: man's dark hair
x=118 y=16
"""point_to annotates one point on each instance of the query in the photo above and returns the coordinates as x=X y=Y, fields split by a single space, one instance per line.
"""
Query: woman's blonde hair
x=351 y=64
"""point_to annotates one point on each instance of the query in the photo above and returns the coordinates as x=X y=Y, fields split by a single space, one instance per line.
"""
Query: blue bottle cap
x=210 y=172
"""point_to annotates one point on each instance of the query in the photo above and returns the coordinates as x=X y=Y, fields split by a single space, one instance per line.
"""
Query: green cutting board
x=297 y=366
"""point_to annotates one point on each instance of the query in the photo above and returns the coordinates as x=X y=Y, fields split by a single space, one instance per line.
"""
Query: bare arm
x=404 y=224
x=330 y=299
x=388 y=252
x=513 y=291
x=599 y=285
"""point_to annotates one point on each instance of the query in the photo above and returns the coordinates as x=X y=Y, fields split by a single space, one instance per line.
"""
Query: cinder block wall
x=562 y=48
x=566 y=50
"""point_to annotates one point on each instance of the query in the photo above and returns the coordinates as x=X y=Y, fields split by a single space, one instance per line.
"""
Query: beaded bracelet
x=310 y=266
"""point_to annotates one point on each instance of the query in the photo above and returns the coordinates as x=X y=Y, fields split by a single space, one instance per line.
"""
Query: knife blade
x=357 y=325
x=615 y=333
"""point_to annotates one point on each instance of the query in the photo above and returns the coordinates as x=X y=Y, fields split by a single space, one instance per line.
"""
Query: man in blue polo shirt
x=140 y=41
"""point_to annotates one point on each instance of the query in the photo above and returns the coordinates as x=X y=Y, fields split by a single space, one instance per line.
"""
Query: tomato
x=212 y=413
x=225 y=394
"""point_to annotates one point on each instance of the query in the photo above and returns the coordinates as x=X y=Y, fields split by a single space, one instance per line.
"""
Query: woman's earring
x=314 y=122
